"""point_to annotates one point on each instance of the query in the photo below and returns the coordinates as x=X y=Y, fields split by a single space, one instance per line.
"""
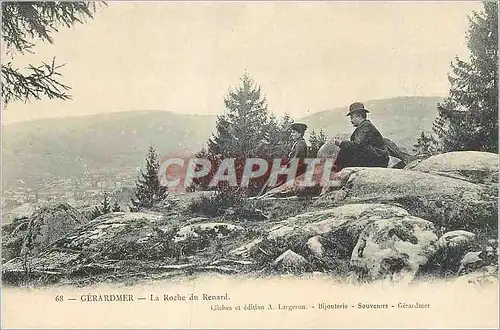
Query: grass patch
x=231 y=203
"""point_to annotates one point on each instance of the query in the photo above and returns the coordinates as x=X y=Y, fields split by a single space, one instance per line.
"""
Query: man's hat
x=299 y=127
x=356 y=107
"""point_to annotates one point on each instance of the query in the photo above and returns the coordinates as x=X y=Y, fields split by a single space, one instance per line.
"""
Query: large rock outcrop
x=447 y=202
x=29 y=235
x=451 y=248
x=475 y=166
x=48 y=224
x=353 y=236
x=118 y=237
x=394 y=249
x=110 y=236
x=112 y=228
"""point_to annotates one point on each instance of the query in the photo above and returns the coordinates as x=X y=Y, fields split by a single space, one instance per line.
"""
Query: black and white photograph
x=180 y=157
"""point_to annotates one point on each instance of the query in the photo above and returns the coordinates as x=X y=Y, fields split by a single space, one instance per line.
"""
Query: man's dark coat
x=366 y=148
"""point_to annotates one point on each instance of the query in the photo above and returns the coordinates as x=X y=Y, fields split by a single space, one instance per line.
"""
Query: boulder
x=393 y=248
x=290 y=261
x=346 y=222
x=452 y=203
x=329 y=149
x=451 y=248
x=117 y=236
x=485 y=256
x=456 y=240
x=244 y=251
x=373 y=182
x=479 y=167
x=111 y=236
x=48 y=224
x=350 y=218
x=315 y=247
x=356 y=235
x=471 y=261
x=324 y=237
x=108 y=229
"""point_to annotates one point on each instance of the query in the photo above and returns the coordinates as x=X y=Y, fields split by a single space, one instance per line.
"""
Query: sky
x=305 y=56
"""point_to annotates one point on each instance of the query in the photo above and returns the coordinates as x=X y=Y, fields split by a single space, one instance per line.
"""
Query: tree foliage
x=116 y=207
x=278 y=135
x=317 y=140
x=149 y=190
x=103 y=208
x=468 y=118
x=23 y=23
x=241 y=130
x=246 y=130
x=424 y=146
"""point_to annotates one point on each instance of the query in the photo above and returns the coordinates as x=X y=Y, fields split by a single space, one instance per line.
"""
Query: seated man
x=298 y=150
x=366 y=148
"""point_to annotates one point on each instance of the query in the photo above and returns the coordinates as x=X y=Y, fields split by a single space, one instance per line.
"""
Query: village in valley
x=86 y=190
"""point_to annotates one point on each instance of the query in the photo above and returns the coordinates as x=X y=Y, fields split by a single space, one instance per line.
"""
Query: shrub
x=229 y=202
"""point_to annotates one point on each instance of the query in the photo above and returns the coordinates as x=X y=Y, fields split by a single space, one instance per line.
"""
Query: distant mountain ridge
x=66 y=147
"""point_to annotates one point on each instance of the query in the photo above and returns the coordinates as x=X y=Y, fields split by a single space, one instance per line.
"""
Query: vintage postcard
x=251 y=164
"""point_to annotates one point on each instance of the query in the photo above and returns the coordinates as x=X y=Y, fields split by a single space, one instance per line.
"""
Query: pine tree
x=96 y=212
x=424 y=146
x=468 y=118
x=149 y=191
x=322 y=138
x=313 y=140
x=317 y=140
x=245 y=130
x=105 y=206
x=241 y=130
x=116 y=207
x=278 y=135
x=203 y=182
